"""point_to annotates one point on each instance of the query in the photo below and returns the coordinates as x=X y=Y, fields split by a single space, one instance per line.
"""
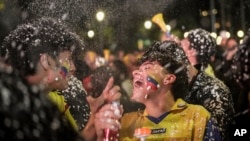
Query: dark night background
x=123 y=24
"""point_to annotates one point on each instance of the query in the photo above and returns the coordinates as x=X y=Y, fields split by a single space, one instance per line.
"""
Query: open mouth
x=138 y=83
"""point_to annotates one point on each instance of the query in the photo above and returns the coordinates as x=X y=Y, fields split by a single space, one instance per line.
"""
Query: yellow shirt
x=58 y=99
x=185 y=122
x=209 y=71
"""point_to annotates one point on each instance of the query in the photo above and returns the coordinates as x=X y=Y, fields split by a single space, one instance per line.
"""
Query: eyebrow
x=146 y=63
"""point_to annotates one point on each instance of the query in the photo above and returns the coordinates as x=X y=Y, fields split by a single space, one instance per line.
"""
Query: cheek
x=53 y=76
x=152 y=82
x=64 y=70
x=61 y=82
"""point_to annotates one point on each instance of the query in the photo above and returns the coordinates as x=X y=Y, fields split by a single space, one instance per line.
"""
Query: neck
x=159 y=105
x=192 y=72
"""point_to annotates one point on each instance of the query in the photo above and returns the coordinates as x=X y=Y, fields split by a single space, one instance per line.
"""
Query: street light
x=91 y=33
x=100 y=16
x=148 y=24
x=240 y=34
x=185 y=34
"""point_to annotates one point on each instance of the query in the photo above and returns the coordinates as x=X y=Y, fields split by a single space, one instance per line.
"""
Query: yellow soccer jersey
x=62 y=106
x=209 y=71
x=185 y=122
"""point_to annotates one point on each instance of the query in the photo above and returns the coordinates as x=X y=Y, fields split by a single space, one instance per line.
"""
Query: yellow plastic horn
x=106 y=53
x=158 y=19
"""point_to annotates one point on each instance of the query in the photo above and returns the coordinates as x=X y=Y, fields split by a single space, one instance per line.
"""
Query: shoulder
x=199 y=109
x=190 y=109
x=55 y=95
x=211 y=83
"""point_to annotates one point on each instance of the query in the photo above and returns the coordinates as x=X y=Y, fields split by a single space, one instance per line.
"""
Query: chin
x=63 y=87
x=135 y=98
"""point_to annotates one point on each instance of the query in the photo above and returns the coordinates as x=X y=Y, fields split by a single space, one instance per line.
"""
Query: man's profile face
x=190 y=52
x=147 y=80
x=61 y=71
x=185 y=44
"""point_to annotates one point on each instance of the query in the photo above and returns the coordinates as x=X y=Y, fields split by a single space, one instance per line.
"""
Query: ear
x=44 y=61
x=169 y=79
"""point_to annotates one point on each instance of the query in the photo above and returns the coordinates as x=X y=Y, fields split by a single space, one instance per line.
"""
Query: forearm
x=89 y=132
x=99 y=139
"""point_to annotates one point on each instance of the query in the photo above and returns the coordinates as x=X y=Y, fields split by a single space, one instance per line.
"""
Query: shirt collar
x=179 y=105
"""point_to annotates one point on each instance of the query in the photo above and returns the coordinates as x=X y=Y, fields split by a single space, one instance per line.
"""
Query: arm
x=88 y=133
x=211 y=132
x=106 y=118
x=110 y=93
x=217 y=100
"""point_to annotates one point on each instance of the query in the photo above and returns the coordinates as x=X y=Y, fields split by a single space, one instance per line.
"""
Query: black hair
x=171 y=56
x=24 y=45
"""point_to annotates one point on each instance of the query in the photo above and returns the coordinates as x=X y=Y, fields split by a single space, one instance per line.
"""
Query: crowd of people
x=53 y=87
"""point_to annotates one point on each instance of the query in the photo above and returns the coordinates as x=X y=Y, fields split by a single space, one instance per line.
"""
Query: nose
x=135 y=72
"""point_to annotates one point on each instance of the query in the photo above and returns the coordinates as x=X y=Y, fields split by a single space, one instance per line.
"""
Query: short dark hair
x=167 y=53
x=24 y=45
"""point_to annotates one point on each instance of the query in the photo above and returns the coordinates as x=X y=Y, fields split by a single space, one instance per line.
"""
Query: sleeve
x=217 y=100
x=211 y=132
